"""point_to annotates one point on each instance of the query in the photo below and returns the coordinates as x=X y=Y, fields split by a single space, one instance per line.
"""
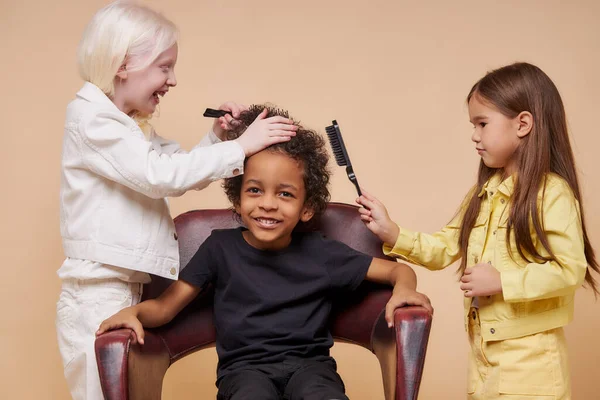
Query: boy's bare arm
x=152 y=313
x=391 y=273
x=404 y=281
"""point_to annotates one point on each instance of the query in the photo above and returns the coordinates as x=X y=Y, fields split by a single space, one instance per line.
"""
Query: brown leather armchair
x=133 y=372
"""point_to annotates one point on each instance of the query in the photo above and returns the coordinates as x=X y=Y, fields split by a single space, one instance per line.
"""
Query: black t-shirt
x=271 y=305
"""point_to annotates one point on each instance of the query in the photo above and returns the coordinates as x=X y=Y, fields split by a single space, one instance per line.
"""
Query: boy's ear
x=525 y=121
x=236 y=207
x=307 y=214
x=122 y=72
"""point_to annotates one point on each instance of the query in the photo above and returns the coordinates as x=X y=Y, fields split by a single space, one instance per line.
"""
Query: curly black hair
x=307 y=147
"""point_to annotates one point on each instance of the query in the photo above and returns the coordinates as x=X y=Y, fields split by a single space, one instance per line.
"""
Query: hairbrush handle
x=212 y=113
x=352 y=177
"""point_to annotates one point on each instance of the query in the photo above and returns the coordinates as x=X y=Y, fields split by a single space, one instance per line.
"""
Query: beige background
x=393 y=73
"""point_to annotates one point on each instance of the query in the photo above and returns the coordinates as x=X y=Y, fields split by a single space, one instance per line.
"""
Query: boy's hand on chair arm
x=126 y=318
x=405 y=297
x=376 y=218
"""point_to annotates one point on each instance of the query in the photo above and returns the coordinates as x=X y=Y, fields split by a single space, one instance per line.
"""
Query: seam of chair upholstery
x=373 y=330
x=177 y=356
x=166 y=347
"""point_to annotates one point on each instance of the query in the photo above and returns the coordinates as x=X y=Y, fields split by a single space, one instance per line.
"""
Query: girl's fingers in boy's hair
x=261 y=116
x=278 y=139
x=282 y=133
x=466 y=278
x=283 y=127
x=288 y=130
x=278 y=119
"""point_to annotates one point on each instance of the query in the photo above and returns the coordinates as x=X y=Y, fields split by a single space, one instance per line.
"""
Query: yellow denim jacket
x=535 y=297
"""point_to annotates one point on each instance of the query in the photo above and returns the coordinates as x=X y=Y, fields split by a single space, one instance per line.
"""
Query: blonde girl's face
x=140 y=91
x=496 y=136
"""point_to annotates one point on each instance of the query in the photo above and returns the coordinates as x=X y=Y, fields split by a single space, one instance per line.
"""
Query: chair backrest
x=351 y=316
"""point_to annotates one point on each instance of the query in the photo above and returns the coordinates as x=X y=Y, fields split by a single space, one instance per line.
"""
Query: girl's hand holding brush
x=375 y=216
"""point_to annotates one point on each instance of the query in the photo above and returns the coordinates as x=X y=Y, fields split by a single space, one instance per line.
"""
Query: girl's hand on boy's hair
x=481 y=280
x=264 y=132
x=376 y=218
x=405 y=297
x=125 y=318
x=225 y=123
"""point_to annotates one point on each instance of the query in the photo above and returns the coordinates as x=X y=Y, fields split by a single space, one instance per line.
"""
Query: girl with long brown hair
x=520 y=235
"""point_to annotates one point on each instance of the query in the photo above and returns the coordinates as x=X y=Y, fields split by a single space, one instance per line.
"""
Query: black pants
x=289 y=380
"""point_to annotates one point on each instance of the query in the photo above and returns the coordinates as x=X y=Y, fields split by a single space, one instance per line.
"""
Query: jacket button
x=476 y=259
x=173 y=271
x=502 y=201
x=175 y=235
x=492 y=331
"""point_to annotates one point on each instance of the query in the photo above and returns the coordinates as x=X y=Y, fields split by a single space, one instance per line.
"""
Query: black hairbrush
x=212 y=113
x=339 y=151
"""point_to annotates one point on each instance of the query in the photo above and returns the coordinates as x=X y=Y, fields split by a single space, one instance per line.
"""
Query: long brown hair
x=513 y=89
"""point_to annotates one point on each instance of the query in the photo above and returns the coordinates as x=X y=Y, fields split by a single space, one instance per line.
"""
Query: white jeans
x=82 y=306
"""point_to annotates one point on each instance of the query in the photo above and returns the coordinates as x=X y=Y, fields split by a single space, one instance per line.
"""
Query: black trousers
x=288 y=380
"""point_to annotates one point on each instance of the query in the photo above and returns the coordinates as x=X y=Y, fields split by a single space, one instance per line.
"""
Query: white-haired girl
x=117 y=172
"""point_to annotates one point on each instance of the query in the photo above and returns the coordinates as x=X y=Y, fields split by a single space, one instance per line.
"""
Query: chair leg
x=131 y=372
x=146 y=374
x=401 y=351
x=384 y=347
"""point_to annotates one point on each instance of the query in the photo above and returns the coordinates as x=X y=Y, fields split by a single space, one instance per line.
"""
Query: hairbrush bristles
x=339 y=152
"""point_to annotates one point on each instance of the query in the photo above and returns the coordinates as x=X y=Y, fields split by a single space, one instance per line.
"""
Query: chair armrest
x=401 y=351
x=131 y=371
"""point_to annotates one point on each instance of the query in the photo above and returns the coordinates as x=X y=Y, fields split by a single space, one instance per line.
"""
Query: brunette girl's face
x=496 y=136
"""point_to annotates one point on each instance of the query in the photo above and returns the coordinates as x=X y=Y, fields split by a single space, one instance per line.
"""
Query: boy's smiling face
x=272 y=199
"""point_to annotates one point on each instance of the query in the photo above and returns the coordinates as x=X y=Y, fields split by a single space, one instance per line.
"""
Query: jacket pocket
x=477 y=239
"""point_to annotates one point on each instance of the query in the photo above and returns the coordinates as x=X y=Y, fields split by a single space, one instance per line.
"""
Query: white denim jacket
x=114 y=182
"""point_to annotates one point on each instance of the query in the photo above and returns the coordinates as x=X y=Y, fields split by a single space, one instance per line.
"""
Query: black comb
x=212 y=113
x=339 y=151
